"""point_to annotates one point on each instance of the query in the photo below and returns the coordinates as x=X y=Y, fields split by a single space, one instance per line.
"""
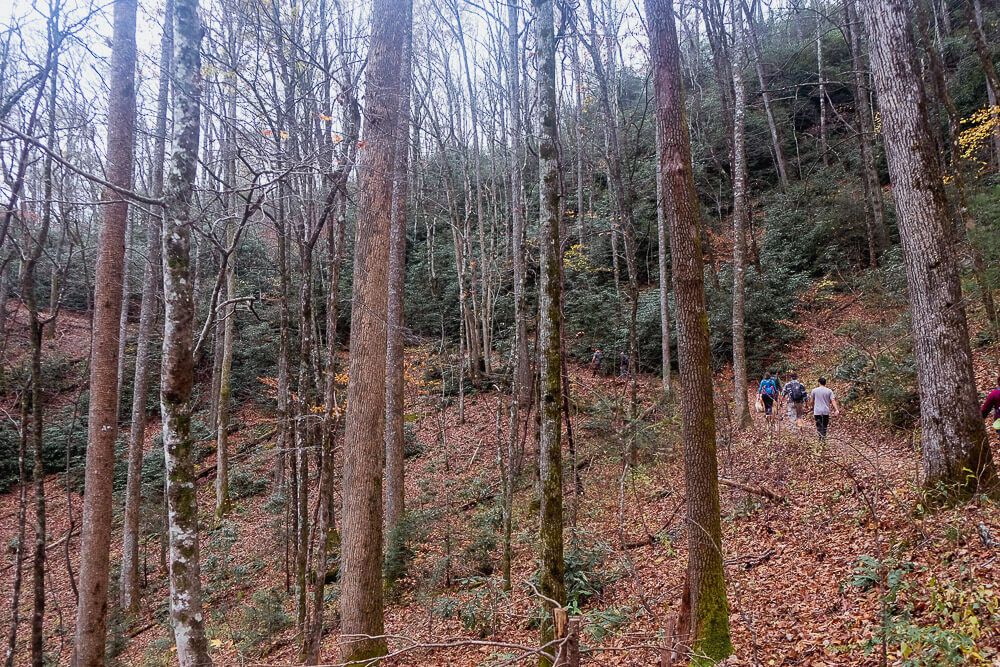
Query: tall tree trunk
x=35 y=327
x=623 y=208
x=361 y=607
x=823 y=146
x=102 y=425
x=178 y=361
x=394 y=361
x=522 y=368
x=663 y=263
x=953 y=439
x=706 y=586
x=228 y=313
x=148 y=309
x=741 y=407
x=875 y=220
x=552 y=567
x=22 y=518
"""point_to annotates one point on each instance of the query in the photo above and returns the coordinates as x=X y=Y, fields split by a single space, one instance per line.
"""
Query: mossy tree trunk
x=552 y=566
x=177 y=373
x=741 y=410
x=706 y=585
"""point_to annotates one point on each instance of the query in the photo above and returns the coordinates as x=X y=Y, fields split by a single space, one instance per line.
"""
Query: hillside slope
x=823 y=543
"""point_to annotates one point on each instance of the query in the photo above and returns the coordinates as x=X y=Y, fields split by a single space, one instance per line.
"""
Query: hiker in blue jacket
x=769 y=390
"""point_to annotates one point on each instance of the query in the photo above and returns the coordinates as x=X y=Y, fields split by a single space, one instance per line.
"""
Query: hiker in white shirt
x=822 y=400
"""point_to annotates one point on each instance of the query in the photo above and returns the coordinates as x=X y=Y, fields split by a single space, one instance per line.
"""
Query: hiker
x=822 y=400
x=622 y=364
x=993 y=403
x=795 y=396
x=768 y=392
x=595 y=361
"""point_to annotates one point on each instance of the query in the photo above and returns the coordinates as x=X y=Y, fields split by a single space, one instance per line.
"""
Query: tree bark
x=102 y=425
x=394 y=361
x=552 y=567
x=875 y=220
x=361 y=603
x=741 y=406
x=662 y=246
x=148 y=311
x=709 y=608
x=522 y=368
x=178 y=361
x=953 y=438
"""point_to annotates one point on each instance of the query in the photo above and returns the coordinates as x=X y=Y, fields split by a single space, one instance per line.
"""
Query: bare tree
x=102 y=424
x=148 y=310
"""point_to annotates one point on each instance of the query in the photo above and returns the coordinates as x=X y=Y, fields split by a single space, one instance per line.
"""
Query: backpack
x=798 y=393
x=769 y=387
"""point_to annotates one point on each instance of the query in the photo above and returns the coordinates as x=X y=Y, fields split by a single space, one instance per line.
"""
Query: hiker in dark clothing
x=795 y=396
x=623 y=364
x=992 y=403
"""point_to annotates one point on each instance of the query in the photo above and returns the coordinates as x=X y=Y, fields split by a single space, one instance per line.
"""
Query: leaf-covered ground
x=847 y=554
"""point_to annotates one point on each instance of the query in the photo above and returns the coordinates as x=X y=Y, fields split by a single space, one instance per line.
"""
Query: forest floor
x=842 y=553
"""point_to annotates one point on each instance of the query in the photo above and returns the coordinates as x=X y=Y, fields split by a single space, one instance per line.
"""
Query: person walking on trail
x=992 y=403
x=595 y=361
x=623 y=364
x=795 y=396
x=768 y=392
x=823 y=401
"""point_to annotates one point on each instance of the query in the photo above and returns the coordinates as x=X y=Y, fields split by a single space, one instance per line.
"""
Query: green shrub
x=263 y=618
x=245 y=484
x=480 y=609
x=399 y=551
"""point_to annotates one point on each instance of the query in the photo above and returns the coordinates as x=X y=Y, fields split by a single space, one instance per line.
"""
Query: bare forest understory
x=806 y=532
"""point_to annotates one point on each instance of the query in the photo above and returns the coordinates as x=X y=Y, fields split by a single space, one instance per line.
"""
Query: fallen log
x=756 y=490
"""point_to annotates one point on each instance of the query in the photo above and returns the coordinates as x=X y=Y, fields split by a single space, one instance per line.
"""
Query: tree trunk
x=364 y=441
x=706 y=599
x=522 y=366
x=22 y=517
x=875 y=220
x=394 y=360
x=552 y=567
x=662 y=247
x=148 y=309
x=954 y=440
x=741 y=408
x=623 y=209
x=823 y=147
x=178 y=362
x=102 y=425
